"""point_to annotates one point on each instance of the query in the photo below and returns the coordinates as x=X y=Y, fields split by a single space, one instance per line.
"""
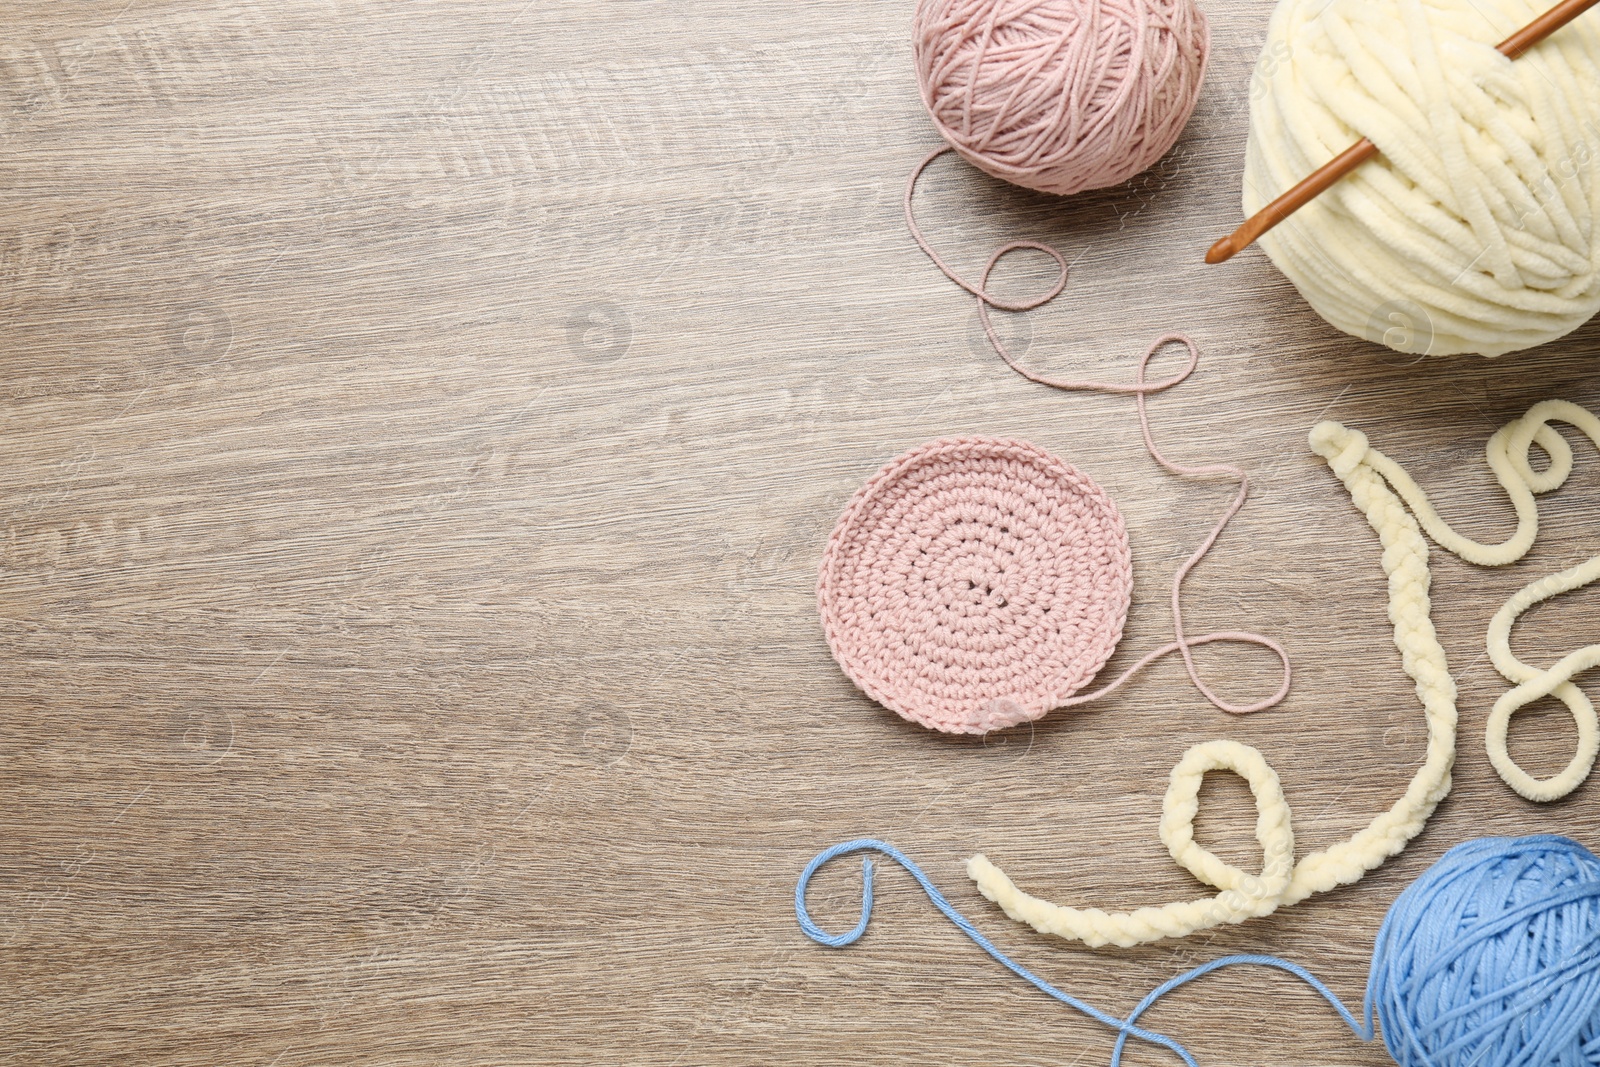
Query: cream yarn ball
x=1474 y=230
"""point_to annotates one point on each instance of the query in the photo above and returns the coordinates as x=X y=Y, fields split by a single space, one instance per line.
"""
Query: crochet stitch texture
x=977 y=583
x=974 y=583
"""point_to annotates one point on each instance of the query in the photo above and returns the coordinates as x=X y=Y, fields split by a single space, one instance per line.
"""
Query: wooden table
x=422 y=426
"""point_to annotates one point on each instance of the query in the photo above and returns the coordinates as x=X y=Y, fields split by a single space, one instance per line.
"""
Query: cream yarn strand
x=1507 y=456
x=1281 y=882
x=1382 y=490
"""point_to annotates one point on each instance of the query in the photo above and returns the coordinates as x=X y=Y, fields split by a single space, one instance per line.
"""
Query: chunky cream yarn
x=1474 y=230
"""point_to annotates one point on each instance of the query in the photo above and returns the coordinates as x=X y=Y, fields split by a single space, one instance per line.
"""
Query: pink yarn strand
x=987 y=299
x=1184 y=646
x=1140 y=389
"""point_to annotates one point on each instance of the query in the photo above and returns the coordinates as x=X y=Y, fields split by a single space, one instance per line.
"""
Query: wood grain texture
x=423 y=422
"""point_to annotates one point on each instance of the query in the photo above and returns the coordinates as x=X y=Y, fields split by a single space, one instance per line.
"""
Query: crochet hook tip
x=1223 y=250
x=1324 y=177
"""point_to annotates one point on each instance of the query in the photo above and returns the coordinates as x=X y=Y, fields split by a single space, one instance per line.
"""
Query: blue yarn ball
x=1492 y=958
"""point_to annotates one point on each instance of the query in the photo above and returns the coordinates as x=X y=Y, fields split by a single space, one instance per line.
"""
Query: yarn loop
x=1382 y=490
x=1405 y=561
x=1507 y=454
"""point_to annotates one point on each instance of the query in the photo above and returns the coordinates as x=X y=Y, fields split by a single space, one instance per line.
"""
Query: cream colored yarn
x=1282 y=882
x=1507 y=455
x=1474 y=230
x=1381 y=490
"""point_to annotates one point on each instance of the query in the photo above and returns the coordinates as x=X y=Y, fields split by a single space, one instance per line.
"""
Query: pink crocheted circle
x=975 y=583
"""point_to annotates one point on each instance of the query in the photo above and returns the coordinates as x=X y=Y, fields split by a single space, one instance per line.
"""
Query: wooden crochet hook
x=1351 y=158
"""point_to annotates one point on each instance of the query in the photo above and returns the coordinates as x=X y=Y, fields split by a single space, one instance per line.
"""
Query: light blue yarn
x=1125 y=1027
x=1490 y=959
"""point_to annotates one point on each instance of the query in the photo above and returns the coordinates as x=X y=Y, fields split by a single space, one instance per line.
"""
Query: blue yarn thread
x=1490 y=959
x=1126 y=1027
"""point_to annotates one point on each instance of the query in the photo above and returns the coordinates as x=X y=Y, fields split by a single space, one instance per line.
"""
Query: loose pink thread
x=977 y=583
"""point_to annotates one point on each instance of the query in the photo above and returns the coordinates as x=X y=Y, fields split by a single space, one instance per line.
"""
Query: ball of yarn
x=1060 y=95
x=974 y=583
x=1493 y=957
x=1474 y=230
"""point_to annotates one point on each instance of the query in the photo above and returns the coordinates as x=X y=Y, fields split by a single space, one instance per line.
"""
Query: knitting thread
x=997 y=711
x=1474 y=230
x=1380 y=489
x=1282 y=882
x=1060 y=95
x=1491 y=957
x=1507 y=456
x=1125 y=1028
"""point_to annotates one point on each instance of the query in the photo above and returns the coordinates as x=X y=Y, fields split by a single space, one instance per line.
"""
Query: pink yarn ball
x=1060 y=95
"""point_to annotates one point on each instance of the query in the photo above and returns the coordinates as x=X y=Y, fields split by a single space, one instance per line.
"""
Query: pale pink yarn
x=976 y=583
x=1060 y=95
